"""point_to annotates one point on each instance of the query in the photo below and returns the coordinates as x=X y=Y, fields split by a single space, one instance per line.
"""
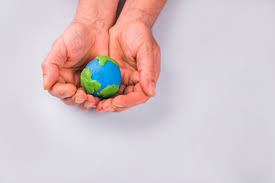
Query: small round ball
x=101 y=77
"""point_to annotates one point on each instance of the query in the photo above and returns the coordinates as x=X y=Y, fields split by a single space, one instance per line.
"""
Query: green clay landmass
x=109 y=91
x=104 y=59
x=87 y=83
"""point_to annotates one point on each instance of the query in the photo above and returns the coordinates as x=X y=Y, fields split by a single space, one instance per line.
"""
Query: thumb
x=146 y=68
x=52 y=64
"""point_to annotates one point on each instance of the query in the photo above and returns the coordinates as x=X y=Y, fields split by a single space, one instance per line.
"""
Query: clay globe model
x=101 y=77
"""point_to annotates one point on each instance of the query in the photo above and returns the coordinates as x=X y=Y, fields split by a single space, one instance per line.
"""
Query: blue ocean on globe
x=108 y=74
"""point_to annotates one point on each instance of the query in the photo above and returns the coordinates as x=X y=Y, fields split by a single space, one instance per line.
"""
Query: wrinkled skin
x=68 y=56
x=131 y=45
x=134 y=48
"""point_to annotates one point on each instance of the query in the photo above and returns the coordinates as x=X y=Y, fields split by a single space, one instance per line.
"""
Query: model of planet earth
x=101 y=77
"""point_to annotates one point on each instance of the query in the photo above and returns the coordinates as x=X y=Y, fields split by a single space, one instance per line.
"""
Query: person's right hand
x=68 y=56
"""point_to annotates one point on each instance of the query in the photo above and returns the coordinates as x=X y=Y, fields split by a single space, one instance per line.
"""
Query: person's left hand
x=138 y=54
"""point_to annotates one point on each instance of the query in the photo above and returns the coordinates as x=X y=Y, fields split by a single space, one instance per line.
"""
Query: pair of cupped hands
x=131 y=44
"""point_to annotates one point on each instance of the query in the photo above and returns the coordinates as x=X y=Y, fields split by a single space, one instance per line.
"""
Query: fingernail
x=118 y=105
x=152 y=89
x=89 y=105
x=110 y=109
x=66 y=95
x=79 y=101
x=45 y=82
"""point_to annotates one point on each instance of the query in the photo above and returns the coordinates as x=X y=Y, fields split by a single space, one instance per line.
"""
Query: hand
x=138 y=54
x=70 y=53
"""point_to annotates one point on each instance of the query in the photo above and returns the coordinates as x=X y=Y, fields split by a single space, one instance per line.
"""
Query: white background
x=212 y=120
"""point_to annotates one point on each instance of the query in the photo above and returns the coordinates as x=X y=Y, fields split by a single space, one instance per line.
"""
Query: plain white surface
x=212 y=120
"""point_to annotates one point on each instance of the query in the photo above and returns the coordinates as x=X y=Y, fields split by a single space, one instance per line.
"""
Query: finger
x=129 y=89
x=52 y=64
x=107 y=106
x=71 y=76
x=121 y=89
x=80 y=96
x=129 y=77
x=91 y=102
x=99 y=107
x=129 y=100
x=138 y=88
x=146 y=68
x=68 y=101
x=81 y=106
x=89 y=106
x=62 y=90
x=121 y=109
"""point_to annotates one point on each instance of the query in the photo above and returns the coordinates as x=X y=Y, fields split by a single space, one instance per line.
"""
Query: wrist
x=94 y=13
x=136 y=15
x=91 y=23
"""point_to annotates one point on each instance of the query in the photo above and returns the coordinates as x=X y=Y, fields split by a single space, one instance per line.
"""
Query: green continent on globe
x=87 y=83
x=103 y=59
x=109 y=91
